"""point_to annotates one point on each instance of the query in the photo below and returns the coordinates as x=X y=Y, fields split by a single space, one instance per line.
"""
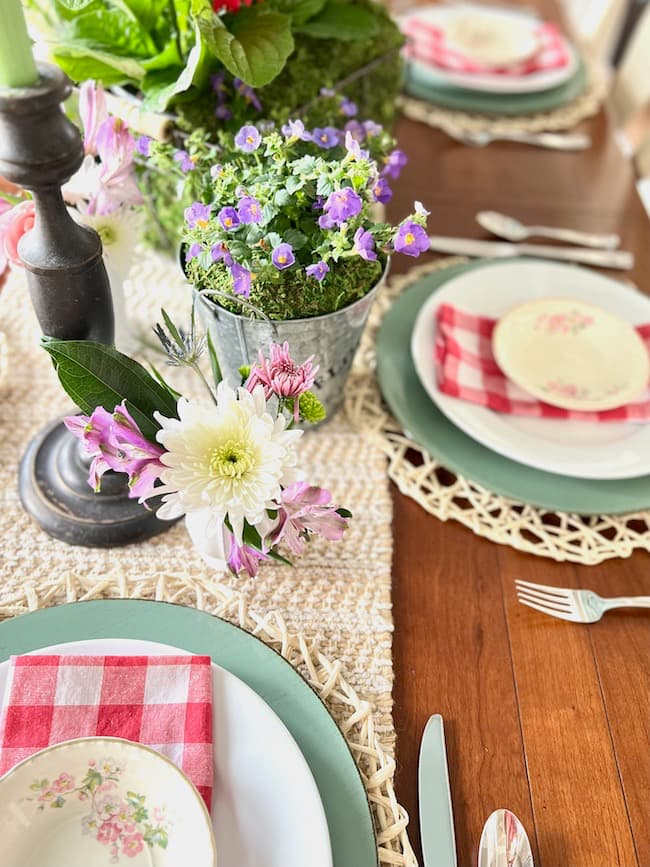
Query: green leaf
x=295 y=238
x=299 y=10
x=75 y=5
x=279 y=558
x=112 y=31
x=344 y=513
x=80 y=60
x=214 y=361
x=341 y=21
x=171 y=82
x=255 y=49
x=158 y=375
x=97 y=375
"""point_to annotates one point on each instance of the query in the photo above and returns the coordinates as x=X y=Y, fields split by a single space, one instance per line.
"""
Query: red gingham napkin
x=164 y=702
x=428 y=45
x=467 y=369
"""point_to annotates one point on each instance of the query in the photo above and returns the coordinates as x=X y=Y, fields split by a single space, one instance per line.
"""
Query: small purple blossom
x=197 y=214
x=364 y=245
x=353 y=148
x=219 y=253
x=184 y=160
x=282 y=256
x=371 y=128
x=411 y=239
x=327 y=91
x=327 y=137
x=295 y=129
x=306 y=509
x=143 y=145
x=229 y=218
x=420 y=210
x=348 y=108
x=395 y=162
x=222 y=112
x=318 y=270
x=248 y=139
x=342 y=204
x=216 y=171
x=355 y=129
x=248 y=93
x=218 y=81
x=326 y=222
x=194 y=250
x=241 y=280
x=381 y=192
x=249 y=210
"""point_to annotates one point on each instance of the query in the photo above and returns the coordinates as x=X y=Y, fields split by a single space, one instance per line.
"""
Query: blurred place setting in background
x=325 y=442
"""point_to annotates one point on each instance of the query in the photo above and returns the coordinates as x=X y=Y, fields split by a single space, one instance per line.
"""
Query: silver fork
x=579 y=606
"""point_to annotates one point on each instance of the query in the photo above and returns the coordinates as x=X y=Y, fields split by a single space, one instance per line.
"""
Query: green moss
x=294 y=295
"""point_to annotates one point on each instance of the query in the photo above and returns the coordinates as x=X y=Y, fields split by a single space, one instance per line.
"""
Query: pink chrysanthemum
x=279 y=375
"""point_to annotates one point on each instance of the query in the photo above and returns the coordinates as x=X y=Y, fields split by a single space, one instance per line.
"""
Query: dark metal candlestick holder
x=40 y=149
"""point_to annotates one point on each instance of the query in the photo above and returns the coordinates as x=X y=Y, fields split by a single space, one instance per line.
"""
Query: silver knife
x=436 y=816
x=502 y=249
x=504 y=842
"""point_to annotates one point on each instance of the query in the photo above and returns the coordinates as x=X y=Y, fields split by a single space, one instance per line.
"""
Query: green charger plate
x=428 y=86
x=418 y=415
x=265 y=671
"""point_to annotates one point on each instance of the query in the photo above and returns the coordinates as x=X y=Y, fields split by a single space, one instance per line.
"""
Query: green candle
x=17 y=67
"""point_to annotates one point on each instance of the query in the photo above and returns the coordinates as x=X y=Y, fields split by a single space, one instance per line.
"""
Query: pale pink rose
x=132 y=845
x=47 y=795
x=106 y=786
x=19 y=220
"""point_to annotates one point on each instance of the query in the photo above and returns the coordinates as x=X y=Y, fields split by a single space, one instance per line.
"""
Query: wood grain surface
x=548 y=718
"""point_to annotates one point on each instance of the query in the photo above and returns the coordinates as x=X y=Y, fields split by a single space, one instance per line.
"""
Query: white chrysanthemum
x=119 y=232
x=230 y=458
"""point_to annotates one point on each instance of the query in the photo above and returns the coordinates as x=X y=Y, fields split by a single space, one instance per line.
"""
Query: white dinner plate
x=588 y=450
x=266 y=809
x=441 y=16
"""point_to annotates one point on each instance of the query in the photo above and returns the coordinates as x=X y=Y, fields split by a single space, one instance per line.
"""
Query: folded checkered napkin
x=466 y=369
x=428 y=44
x=164 y=702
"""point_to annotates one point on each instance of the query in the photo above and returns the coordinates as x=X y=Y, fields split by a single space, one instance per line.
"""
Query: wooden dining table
x=548 y=718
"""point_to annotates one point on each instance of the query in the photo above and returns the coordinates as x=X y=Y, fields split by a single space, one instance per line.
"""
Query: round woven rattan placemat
x=561 y=536
x=583 y=106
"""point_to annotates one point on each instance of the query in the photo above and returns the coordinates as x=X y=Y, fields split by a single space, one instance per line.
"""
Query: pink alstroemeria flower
x=244 y=557
x=279 y=375
x=93 y=112
x=304 y=509
x=116 y=185
x=115 y=442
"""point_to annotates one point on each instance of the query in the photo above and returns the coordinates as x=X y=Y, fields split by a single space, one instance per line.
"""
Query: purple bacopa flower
x=219 y=253
x=348 y=108
x=143 y=145
x=364 y=245
x=355 y=129
x=411 y=239
x=184 y=160
x=341 y=205
x=325 y=138
x=282 y=256
x=295 y=129
x=327 y=91
x=318 y=271
x=352 y=147
x=194 y=250
x=216 y=171
x=371 y=128
x=218 y=81
x=229 y=218
x=381 y=192
x=248 y=139
x=420 y=210
x=241 y=280
x=326 y=222
x=222 y=112
x=197 y=214
x=249 y=210
x=248 y=93
x=395 y=162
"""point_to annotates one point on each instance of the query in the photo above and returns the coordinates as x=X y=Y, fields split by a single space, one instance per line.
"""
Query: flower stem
x=195 y=367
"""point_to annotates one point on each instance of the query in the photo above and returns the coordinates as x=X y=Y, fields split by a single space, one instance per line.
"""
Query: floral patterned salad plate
x=571 y=354
x=578 y=449
x=102 y=801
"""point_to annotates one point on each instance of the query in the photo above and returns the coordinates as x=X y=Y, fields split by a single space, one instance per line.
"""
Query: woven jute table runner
x=566 y=116
x=450 y=496
x=330 y=615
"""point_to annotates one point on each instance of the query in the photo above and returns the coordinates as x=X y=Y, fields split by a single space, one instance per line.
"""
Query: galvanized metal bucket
x=332 y=339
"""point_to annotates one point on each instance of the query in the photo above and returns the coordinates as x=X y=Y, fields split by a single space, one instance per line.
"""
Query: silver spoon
x=511 y=229
x=504 y=842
